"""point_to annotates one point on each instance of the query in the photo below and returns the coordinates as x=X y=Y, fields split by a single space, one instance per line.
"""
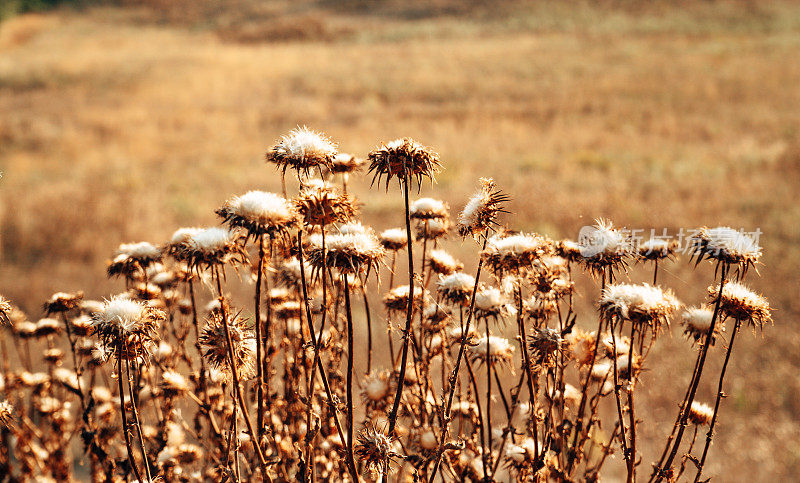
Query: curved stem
x=625 y=451
x=696 y=380
x=318 y=363
x=350 y=421
x=237 y=387
x=631 y=410
x=720 y=395
x=454 y=375
x=123 y=412
x=409 y=314
x=259 y=341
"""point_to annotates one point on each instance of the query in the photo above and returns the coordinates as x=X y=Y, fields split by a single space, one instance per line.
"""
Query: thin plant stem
x=454 y=375
x=625 y=451
x=696 y=380
x=631 y=410
x=488 y=454
x=236 y=386
x=318 y=363
x=577 y=438
x=350 y=357
x=409 y=314
x=259 y=341
x=123 y=412
x=687 y=456
x=720 y=395
x=137 y=422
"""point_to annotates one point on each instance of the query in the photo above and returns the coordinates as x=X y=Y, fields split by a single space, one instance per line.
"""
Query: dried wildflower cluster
x=347 y=361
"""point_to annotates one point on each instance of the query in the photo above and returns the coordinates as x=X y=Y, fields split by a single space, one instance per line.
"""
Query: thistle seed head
x=742 y=304
x=131 y=324
x=259 y=213
x=373 y=447
x=302 y=150
x=394 y=239
x=700 y=414
x=545 y=345
x=697 y=322
x=456 y=288
x=481 y=211
x=726 y=245
x=657 y=249
x=428 y=208
x=512 y=253
x=348 y=253
x=322 y=204
x=498 y=349
x=643 y=304
x=443 y=263
x=215 y=345
x=404 y=159
x=344 y=163
x=63 y=302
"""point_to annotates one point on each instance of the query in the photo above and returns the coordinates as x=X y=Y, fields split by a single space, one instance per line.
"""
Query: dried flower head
x=581 y=346
x=203 y=248
x=697 y=322
x=657 y=249
x=394 y=239
x=540 y=306
x=603 y=247
x=6 y=411
x=127 y=327
x=700 y=414
x=376 y=386
x=63 y=302
x=405 y=159
x=443 y=263
x=521 y=457
x=490 y=302
x=726 y=245
x=143 y=252
x=373 y=448
x=47 y=326
x=436 y=317
x=287 y=272
x=511 y=253
x=173 y=383
x=396 y=300
x=742 y=304
x=550 y=275
x=25 y=329
x=432 y=229
x=499 y=350
x=302 y=150
x=259 y=213
x=545 y=345
x=480 y=213
x=569 y=250
x=131 y=258
x=348 y=253
x=456 y=288
x=6 y=310
x=428 y=208
x=320 y=203
x=639 y=303
x=68 y=378
x=215 y=345
x=344 y=163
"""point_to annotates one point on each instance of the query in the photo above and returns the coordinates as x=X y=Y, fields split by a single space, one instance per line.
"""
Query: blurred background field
x=122 y=121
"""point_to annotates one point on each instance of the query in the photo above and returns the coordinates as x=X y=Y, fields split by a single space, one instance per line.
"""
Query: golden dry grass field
x=123 y=123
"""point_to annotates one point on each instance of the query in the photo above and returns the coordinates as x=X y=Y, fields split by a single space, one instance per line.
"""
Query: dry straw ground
x=121 y=124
